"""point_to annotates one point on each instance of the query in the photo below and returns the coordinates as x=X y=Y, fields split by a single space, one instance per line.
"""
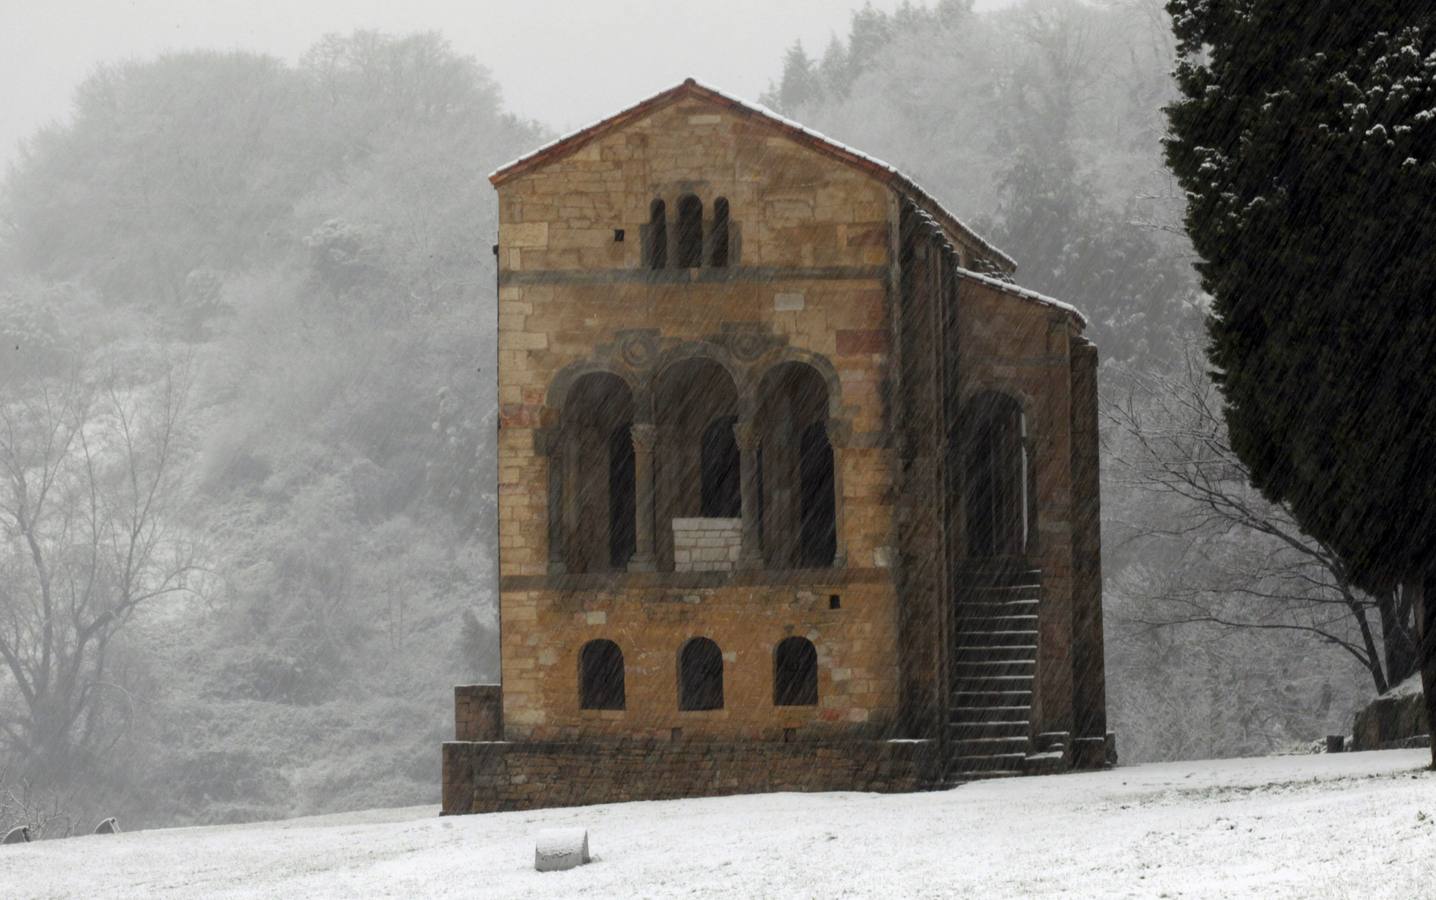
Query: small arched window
x=600 y=676
x=655 y=245
x=795 y=673
x=700 y=675
x=719 y=255
x=721 y=491
x=690 y=232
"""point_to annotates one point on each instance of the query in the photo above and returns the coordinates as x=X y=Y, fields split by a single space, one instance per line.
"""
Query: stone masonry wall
x=478 y=712
x=706 y=545
x=493 y=777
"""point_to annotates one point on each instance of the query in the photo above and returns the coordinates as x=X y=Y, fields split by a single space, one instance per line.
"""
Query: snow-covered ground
x=1347 y=825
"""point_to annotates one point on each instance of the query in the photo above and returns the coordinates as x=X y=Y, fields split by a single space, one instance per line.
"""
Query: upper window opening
x=720 y=483
x=656 y=244
x=690 y=232
x=719 y=256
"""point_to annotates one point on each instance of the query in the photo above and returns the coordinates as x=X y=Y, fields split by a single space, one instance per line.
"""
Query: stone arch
x=601 y=676
x=819 y=364
x=795 y=672
x=700 y=675
x=688 y=237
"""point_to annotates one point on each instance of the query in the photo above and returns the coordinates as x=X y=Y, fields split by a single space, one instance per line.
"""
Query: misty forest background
x=247 y=409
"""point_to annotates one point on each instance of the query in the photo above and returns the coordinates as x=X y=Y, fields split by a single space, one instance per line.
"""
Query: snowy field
x=1348 y=825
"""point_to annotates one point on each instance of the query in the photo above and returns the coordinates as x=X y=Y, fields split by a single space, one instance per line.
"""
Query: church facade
x=798 y=490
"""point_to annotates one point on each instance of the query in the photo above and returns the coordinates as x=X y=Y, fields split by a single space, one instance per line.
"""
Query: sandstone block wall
x=707 y=545
x=494 y=777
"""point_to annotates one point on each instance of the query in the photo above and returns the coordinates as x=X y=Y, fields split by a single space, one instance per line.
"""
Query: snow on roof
x=574 y=140
x=1010 y=288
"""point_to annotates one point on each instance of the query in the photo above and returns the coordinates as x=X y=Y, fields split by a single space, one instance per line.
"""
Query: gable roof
x=577 y=140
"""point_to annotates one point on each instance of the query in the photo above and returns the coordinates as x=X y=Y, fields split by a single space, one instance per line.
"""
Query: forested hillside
x=304 y=250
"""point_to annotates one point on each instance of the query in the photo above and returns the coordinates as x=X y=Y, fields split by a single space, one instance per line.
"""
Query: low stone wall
x=707 y=545
x=495 y=776
x=1396 y=719
x=478 y=712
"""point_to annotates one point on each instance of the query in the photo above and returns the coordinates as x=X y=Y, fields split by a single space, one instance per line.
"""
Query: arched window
x=690 y=232
x=795 y=673
x=721 y=488
x=655 y=245
x=595 y=487
x=1000 y=501
x=797 y=472
x=600 y=676
x=719 y=256
x=700 y=675
x=696 y=462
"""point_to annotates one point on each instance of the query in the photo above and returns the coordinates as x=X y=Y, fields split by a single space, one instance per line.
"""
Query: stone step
x=1048 y=763
x=957 y=778
x=987 y=746
x=995 y=624
x=971 y=730
x=973 y=595
x=1010 y=699
x=996 y=653
x=1011 y=762
x=1011 y=713
x=978 y=578
x=980 y=670
x=997 y=639
x=971 y=682
x=973 y=611
x=1047 y=740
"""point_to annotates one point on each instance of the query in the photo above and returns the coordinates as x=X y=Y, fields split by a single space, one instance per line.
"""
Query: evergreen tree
x=1305 y=138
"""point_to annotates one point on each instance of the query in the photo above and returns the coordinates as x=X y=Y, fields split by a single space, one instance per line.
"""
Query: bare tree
x=1232 y=557
x=87 y=480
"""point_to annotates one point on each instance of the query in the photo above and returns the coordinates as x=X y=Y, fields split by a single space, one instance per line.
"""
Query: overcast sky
x=562 y=62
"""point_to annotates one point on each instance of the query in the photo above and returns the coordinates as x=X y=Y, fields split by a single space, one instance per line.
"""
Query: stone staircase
x=995 y=660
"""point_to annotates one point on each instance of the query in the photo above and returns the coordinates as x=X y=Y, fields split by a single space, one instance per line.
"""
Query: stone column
x=644 y=437
x=746 y=434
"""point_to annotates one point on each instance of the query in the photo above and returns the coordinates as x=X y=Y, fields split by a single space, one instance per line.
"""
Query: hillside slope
x=1359 y=824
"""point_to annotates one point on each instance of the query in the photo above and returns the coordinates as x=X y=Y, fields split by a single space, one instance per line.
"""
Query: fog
x=250 y=297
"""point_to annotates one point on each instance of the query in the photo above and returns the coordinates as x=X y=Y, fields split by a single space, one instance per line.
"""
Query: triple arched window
x=693 y=242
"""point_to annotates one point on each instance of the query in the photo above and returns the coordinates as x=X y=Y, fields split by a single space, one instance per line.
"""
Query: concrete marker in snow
x=20 y=834
x=109 y=826
x=560 y=848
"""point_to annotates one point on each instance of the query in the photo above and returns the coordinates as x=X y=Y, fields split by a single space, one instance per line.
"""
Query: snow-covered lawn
x=1347 y=825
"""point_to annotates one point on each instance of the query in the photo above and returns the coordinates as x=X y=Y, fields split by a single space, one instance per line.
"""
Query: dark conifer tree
x=1305 y=138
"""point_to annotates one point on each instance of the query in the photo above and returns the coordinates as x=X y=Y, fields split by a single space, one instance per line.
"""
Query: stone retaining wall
x=493 y=776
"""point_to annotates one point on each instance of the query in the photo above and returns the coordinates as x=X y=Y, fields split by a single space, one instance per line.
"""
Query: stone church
x=798 y=490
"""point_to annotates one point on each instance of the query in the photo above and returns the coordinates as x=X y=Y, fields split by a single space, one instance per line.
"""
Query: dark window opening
x=795 y=673
x=600 y=666
x=818 y=536
x=835 y=601
x=700 y=675
x=690 y=232
x=719 y=257
x=657 y=244
x=721 y=490
x=622 y=518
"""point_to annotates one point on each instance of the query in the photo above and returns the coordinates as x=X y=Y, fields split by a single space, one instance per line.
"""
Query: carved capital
x=645 y=437
x=746 y=434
